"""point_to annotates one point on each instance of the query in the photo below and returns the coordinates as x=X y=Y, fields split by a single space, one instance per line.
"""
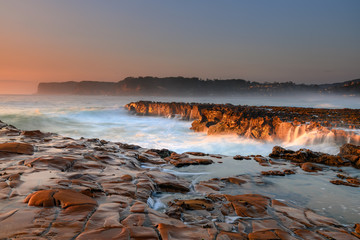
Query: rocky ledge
x=54 y=187
x=264 y=123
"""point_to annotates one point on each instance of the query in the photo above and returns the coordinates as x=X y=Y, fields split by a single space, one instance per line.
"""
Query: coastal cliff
x=181 y=86
x=264 y=123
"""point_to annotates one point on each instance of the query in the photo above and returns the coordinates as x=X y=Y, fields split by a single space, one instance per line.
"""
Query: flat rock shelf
x=55 y=187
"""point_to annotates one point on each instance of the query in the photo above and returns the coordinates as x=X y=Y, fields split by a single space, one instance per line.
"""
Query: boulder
x=310 y=167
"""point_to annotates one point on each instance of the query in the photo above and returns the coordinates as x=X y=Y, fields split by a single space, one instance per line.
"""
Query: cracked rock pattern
x=53 y=187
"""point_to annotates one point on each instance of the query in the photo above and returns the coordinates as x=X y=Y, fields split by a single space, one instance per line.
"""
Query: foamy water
x=104 y=117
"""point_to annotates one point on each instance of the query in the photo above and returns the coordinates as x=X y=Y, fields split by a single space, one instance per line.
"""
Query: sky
x=304 y=41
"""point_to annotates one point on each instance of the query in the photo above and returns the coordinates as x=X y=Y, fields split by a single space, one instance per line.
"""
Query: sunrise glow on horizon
x=299 y=41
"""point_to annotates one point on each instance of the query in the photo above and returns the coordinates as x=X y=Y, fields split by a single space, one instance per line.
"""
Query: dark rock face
x=264 y=123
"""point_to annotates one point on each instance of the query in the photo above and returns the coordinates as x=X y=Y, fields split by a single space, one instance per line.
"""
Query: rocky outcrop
x=265 y=123
x=305 y=156
x=186 y=111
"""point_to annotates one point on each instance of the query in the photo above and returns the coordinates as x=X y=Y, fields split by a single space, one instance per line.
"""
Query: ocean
x=104 y=117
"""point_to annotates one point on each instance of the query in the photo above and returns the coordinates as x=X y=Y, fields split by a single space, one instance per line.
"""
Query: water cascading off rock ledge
x=286 y=124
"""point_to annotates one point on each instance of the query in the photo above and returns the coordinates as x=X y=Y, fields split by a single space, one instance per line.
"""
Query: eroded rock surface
x=95 y=189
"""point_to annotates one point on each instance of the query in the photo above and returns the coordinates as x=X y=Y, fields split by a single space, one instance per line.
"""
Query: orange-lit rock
x=62 y=197
x=15 y=147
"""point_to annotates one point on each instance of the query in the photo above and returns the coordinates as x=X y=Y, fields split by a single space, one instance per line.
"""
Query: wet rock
x=273 y=173
x=128 y=146
x=181 y=160
x=210 y=186
x=61 y=163
x=106 y=215
x=351 y=152
x=194 y=204
x=143 y=233
x=167 y=182
x=264 y=225
x=346 y=183
x=235 y=180
x=106 y=233
x=306 y=234
x=356 y=231
x=306 y=155
x=148 y=158
x=119 y=187
x=263 y=235
x=310 y=167
x=197 y=154
x=239 y=157
x=191 y=161
x=272 y=162
x=231 y=235
x=163 y=153
x=320 y=220
x=18 y=222
x=35 y=134
x=137 y=219
x=62 y=197
x=354 y=181
x=337 y=235
x=289 y=171
x=249 y=205
x=262 y=161
x=16 y=147
x=168 y=232
x=350 y=149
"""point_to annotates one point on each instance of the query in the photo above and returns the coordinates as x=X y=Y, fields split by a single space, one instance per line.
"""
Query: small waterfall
x=305 y=135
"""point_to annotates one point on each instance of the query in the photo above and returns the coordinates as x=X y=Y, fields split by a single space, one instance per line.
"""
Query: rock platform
x=54 y=187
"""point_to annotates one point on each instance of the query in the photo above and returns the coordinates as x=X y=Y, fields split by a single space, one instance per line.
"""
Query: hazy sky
x=259 y=40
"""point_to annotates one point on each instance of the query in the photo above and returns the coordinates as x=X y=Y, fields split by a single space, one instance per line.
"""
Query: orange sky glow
x=52 y=41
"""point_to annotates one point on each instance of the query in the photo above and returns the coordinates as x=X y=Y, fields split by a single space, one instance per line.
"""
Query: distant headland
x=181 y=86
